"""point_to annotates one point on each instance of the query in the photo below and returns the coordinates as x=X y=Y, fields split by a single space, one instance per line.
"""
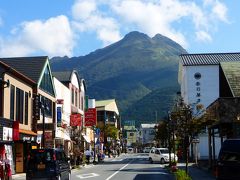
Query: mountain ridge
x=128 y=70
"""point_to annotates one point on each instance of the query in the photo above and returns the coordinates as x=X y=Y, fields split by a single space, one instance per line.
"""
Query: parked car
x=48 y=164
x=146 y=149
x=160 y=155
x=228 y=163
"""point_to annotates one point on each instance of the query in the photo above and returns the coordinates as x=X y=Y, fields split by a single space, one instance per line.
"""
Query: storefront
x=22 y=147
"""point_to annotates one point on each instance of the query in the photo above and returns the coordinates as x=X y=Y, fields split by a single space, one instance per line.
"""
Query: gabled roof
x=231 y=72
x=107 y=105
x=208 y=58
x=104 y=102
x=29 y=66
x=63 y=76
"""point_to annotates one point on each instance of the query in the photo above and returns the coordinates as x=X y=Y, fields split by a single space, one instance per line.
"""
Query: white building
x=201 y=78
x=147 y=133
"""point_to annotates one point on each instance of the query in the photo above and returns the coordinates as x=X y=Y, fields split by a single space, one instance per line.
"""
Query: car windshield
x=229 y=156
x=164 y=151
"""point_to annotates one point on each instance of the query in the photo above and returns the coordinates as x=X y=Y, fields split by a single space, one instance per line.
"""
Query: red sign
x=60 y=101
x=15 y=130
x=91 y=117
x=75 y=120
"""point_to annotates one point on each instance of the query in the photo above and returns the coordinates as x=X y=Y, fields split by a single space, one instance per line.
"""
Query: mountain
x=138 y=71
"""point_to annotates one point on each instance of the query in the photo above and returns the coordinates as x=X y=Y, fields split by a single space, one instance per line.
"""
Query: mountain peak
x=136 y=35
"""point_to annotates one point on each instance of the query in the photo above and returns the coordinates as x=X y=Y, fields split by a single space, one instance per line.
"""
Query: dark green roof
x=29 y=66
x=231 y=72
x=63 y=76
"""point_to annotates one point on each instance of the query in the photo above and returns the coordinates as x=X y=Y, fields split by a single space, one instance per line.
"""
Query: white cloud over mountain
x=109 y=20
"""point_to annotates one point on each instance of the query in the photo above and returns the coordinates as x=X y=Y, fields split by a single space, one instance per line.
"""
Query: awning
x=23 y=131
x=87 y=139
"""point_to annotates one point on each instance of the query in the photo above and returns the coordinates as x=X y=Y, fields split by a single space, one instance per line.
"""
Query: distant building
x=147 y=133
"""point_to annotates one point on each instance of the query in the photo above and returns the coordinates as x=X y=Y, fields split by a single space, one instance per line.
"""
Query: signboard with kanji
x=91 y=117
x=75 y=120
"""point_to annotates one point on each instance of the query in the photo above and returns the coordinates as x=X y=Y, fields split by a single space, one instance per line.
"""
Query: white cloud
x=53 y=37
x=106 y=28
x=203 y=36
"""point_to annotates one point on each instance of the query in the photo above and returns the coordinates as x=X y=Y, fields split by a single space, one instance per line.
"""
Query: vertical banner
x=15 y=130
x=91 y=117
x=59 y=116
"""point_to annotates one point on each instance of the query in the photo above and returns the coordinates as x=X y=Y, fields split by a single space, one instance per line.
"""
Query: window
x=12 y=99
x=72 y=96
x=19 y=105
x=46 y=82
x=82 y=103
x=26 y=108
x=76 y=98
x=48 y=102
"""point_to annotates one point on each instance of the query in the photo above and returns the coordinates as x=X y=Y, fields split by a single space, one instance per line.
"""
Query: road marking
x=117 y=159
x=118 y=171
x=85 y=176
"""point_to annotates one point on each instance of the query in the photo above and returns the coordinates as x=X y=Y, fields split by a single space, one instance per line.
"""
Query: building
x=108 y=114
x=71 y=103
x=203 y=79
x=24 y=106
x=147 y=134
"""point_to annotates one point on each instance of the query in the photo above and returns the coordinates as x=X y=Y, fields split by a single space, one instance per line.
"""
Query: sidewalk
x=197 y=173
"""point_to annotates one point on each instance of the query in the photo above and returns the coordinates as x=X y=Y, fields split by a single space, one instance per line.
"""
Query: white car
x=146 y=149
x=161 y=155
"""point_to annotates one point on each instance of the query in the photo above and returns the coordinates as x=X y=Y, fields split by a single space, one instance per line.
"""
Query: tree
x=161 y=135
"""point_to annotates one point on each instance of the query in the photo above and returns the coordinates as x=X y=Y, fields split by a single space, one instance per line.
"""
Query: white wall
x=62 y=92
x=209 y=84
x=74 y=80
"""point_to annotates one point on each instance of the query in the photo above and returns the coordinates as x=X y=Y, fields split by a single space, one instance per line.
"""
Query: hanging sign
x=91 y=117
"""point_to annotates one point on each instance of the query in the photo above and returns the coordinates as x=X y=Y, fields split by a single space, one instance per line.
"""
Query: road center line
x=118 y=171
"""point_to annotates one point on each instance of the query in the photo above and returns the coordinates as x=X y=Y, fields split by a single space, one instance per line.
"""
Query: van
x=48 y=164
x=228 y=163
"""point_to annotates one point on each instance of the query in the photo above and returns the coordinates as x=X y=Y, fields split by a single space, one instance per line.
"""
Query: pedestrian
x=88 y=155
x=8 y=171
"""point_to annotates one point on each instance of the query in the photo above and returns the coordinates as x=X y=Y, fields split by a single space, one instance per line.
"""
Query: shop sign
x=39 y=138
x=28 y=138
x=7 y=134
x=48 y=136
x=91 y=117
x=60 y=101
x=59 y=116
x=15 y=130
x=75 y=120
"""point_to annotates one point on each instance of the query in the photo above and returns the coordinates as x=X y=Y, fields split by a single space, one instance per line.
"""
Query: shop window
x=12 y=104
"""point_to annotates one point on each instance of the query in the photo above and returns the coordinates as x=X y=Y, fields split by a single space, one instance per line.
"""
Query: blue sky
x=78 y=27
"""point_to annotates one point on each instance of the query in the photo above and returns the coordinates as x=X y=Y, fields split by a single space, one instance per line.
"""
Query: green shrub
x=181 y=175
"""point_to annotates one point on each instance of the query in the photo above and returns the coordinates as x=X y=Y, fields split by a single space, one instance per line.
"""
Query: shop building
x=42 y=119
x=203 y=79
x=76 y=105
x=16 y=136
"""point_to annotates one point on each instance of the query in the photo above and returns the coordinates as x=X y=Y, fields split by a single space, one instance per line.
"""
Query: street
x=124 y=167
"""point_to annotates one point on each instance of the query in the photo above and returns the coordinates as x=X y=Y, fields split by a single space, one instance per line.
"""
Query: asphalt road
x=125 y=167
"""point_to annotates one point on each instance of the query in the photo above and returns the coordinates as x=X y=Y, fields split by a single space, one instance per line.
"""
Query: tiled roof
x=208 y=59
x=231 y=71
x=63 y=76
x=29 y=66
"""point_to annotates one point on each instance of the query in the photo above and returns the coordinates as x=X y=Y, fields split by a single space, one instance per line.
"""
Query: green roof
x=231 y=71
x=104 y=102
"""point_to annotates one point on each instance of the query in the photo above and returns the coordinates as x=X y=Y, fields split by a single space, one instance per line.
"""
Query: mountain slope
x=129 y=71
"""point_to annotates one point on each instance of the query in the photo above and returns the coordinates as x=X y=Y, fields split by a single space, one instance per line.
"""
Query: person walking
x=88 y=155
x=8 y=171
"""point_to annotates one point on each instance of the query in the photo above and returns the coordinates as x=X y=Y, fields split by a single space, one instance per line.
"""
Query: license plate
x=41 y=166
